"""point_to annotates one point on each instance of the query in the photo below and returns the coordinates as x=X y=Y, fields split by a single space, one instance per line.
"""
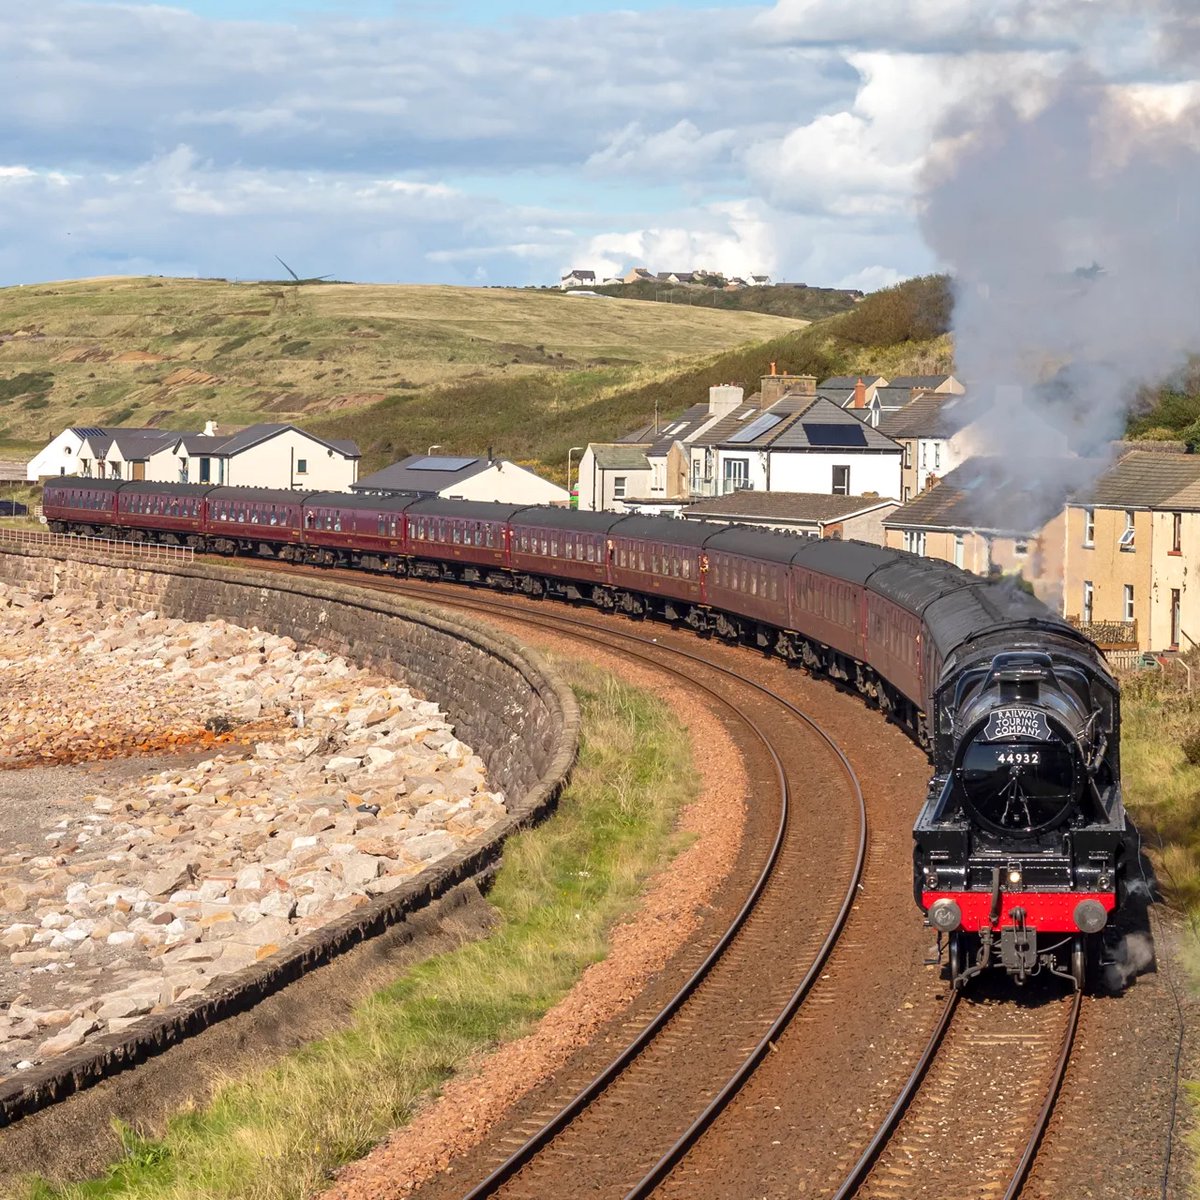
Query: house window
x=937 y=455
x=302 y=466
x=1126 y=542
x=1089 y=526
x=736 y=472
x=907 y=494
x=206 y=470
x=1021 y=548
x=1087 y=600
x=619 y=487
x=914 y=541
x=908 y=454
x=1175 y=616
x=958 y=550
x=841 y=481
x=924 y=455
x=1129 y=602
x=1176 y=532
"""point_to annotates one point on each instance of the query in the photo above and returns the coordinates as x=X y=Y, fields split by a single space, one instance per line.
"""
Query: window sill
x=1174 y=554
x=1088 y=545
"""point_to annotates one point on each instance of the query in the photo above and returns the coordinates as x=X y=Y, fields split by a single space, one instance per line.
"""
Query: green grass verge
x=278 y=1132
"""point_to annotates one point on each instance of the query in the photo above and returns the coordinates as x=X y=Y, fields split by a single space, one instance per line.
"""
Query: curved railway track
x=701 y=1046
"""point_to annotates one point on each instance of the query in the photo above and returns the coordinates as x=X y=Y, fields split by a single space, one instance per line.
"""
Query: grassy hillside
x=175 y=353
x=536 y=420
x=780 y=300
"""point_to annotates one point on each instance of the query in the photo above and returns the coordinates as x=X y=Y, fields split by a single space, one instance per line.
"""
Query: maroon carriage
x=469 y=537
x=748 y=573
x=255 y=520
x=342 y=527
x=566 y=547
x=75 y=504
x=172 y=513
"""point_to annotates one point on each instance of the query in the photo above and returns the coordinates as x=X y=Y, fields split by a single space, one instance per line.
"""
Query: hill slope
x=175 y=353
x=537 y=420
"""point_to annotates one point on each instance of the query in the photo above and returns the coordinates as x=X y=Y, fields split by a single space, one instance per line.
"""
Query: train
x=1021 y=848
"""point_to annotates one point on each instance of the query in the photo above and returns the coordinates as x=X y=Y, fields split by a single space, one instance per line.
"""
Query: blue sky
x=469 y=142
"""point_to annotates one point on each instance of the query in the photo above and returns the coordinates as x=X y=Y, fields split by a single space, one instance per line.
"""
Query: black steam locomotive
x=1020 y=846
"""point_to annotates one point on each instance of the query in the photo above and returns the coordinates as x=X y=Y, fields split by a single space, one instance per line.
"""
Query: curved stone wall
x=505 y=702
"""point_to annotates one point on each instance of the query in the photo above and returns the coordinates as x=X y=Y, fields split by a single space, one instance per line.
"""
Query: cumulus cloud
x=789 y=139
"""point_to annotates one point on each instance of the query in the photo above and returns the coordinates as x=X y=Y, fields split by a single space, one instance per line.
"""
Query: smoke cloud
x=1069 y=217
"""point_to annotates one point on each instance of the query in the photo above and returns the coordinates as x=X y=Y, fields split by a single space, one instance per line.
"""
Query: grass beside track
x=1160 y=771
x=276 y=1133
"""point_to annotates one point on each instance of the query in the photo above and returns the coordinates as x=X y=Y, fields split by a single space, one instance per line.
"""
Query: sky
x=469 y=142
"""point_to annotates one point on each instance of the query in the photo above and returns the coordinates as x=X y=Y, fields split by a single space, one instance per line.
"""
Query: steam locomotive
x=1020 y=846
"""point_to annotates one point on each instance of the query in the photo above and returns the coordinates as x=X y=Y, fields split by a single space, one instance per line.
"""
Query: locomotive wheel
x=957 y=956
x=1079 y=957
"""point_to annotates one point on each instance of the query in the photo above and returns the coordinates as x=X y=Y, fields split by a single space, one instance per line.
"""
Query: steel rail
x=525 y=1153
x=862 y=1168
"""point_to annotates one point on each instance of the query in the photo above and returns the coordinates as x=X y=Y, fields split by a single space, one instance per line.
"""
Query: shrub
x=1191 y=748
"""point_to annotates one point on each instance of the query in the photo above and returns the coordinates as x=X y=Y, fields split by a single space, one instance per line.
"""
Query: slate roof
x=227 y=444
x=727 y=426
x=403 y=478
x=815 y=507
x=893 y=397
x=836 y=395
x=843 y=383
x=805 y=431
x=1148 y=479
x=618 y=457
x=919 y=381
x=994 y=495
x=931 y=414
x=683 y=426
x=577 y=274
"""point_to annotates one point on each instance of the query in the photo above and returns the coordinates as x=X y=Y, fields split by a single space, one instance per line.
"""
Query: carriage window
x=554 y=547
x=454 y=533
x=379 y=523
x=687 y=568
x=337 y=521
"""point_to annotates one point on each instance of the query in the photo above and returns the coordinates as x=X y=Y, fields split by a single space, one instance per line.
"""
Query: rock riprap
x=331 y=785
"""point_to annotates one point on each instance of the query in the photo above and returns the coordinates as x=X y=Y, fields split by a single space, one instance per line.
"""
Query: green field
x=174 y=353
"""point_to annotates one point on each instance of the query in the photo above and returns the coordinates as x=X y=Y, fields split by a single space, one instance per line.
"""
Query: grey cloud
x=101 y=84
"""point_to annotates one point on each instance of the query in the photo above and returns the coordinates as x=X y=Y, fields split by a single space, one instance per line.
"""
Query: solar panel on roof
x=89 y=431
x=820 y=434
x=757 y=427
x=438 y=463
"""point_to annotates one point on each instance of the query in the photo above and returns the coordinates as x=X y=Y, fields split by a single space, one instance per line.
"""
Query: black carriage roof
x=988 y=606
x=568 y=520
x=663 y=529
x=852 y=561
x=915 y=583
x=470 y=510
x=353 y=500
x=261 y=495
x=744 y=539
x=82 y=481
x=148 y=487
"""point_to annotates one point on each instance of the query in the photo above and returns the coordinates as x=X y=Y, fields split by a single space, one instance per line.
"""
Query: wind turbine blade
x=287 y=268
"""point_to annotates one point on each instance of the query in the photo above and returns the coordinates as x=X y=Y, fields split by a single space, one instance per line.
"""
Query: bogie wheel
x=1079 y=957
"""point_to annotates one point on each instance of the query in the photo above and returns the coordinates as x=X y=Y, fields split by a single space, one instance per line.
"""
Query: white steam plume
x=1073 y=236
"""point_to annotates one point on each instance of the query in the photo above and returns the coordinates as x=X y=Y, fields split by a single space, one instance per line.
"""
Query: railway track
x=970 y=1117
x=627 y=1127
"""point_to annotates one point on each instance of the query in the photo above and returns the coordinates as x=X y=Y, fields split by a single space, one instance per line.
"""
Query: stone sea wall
x=500 y=698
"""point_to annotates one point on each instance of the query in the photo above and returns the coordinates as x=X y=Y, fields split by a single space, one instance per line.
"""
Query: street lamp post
x=569 y=453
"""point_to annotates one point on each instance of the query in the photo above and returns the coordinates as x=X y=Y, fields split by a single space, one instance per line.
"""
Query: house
x=983 y=516
x=929 y=383
x=639 y=275
x=611 y=471
x=760 y=280
x=681 y=277
x=928 y=429
x=578 y=278
x=894 y=394
x=266 y=455
x=1129 y=540
x=84 y=450
x=809 y=514
x=462 y=478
